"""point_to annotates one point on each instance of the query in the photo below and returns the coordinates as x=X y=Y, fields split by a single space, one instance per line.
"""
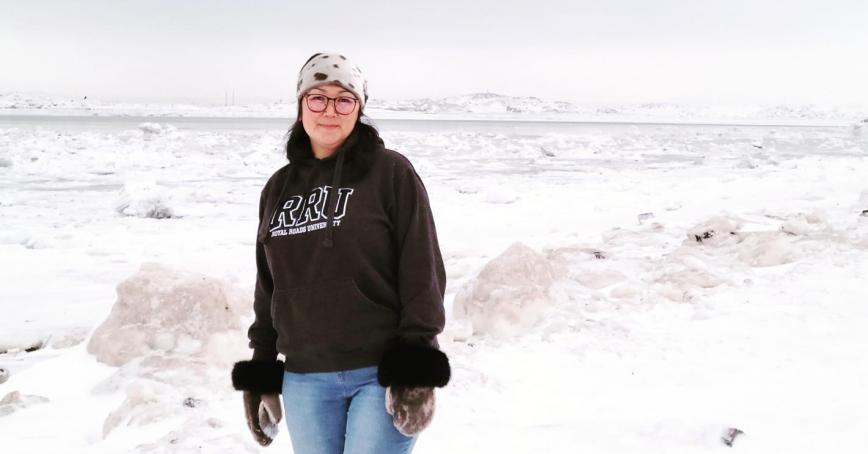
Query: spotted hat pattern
x=322 y=68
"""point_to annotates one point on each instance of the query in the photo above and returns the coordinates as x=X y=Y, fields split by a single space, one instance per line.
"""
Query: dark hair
x=360 y=145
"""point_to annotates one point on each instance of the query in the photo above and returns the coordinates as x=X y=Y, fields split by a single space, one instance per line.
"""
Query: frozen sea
x=695 y=278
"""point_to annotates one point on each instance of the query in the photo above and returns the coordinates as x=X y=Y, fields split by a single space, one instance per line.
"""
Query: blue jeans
x=340 y=412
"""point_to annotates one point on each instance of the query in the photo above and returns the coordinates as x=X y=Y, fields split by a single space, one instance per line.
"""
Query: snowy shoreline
x=376 y=115
x=473 y=107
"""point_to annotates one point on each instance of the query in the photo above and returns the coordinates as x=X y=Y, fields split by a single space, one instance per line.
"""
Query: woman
x=350 y=283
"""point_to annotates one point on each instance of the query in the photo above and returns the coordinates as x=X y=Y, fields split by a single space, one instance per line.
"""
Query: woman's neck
x=321 y=152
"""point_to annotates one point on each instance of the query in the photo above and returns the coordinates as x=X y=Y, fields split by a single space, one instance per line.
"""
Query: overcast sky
x=594 y=52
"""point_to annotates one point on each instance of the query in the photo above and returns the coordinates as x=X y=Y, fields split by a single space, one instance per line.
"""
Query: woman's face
x=328 y=129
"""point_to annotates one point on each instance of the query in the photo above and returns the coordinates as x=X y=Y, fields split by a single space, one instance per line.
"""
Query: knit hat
x=321 y=69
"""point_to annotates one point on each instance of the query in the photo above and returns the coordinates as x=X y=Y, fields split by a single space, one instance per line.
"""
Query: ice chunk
x=15 y=401
x=767 y=250
x=500 y=195
x=68 y=337
x=144 y=199
x=155 y=129
x=166 y=311
x=509 y=293
x=715 y=231
x=642 y=217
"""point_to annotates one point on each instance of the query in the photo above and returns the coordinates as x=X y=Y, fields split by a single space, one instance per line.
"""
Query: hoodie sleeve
x=262 y=335
x=421 y=274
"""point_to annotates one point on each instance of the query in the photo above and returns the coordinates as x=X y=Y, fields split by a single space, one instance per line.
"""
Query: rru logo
x=300 y=210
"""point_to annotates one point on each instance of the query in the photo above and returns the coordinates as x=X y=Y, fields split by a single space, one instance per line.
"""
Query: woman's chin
x=329 y=140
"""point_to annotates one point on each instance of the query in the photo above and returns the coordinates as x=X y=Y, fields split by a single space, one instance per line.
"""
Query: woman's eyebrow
x=323 y=92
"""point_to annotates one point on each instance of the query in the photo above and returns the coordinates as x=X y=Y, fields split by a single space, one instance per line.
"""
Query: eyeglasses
x=317 y=103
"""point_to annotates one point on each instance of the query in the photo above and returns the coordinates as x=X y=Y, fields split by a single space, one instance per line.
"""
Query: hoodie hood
x=350 y=163
x=358 y=148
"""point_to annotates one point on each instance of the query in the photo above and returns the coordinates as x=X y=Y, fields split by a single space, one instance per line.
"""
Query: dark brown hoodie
x=334 y=291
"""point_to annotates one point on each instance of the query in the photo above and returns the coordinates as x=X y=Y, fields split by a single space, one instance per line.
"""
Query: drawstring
x=332 y=200
x=328 y=241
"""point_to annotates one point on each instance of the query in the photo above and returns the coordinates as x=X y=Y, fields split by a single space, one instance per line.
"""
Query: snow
x=611 y=288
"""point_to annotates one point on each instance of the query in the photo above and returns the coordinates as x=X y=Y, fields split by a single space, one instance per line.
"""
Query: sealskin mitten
x=261 y=383
x=411 y=407
x=256 y=411
x=410 y=371
x=270 y=414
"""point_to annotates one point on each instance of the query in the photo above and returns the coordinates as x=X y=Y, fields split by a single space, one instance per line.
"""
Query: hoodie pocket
x=329 y=317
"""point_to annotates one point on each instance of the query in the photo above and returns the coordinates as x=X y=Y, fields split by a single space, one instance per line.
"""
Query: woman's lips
x=329 y=126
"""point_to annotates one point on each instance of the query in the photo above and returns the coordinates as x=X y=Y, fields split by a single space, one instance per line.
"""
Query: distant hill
x=472 y=106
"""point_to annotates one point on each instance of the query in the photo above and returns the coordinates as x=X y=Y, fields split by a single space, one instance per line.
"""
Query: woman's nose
x=331 y=107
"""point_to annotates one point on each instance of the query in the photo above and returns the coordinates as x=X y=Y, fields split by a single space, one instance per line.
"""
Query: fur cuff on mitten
x=261 y=377
x=413 y=364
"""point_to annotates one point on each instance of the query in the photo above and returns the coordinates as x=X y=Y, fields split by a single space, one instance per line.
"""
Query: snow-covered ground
x=612 y=288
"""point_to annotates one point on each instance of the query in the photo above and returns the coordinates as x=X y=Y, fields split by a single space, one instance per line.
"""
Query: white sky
x=594 y=52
